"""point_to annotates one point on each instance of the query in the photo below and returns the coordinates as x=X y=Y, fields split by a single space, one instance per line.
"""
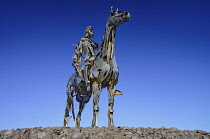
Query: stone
x=163 y=127
x=41 y=135
x=8 y=133
x=202 y=132
x=174 y=129
x=134 y=137
x=139 y=132
x=204 y=137
x=160 y=136
x=65 y=132
x=128 y=133
x=77 y=136
x=149 y=137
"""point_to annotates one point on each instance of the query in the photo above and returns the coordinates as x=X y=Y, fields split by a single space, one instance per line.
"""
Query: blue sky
x=163 y=54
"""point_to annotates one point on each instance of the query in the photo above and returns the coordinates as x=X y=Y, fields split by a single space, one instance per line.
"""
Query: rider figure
x=85 y=46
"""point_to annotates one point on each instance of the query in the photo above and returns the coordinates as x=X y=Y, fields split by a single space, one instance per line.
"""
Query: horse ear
x=111 y=10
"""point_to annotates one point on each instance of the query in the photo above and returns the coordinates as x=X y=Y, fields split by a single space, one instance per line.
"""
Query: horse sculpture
x=100 y=72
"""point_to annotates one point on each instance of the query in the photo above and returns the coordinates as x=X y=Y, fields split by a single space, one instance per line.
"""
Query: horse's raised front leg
x=96 y=97
x=111 y=105
x=68 y=105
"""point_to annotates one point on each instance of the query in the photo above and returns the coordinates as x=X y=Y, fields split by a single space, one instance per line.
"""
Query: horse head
x=118 y=17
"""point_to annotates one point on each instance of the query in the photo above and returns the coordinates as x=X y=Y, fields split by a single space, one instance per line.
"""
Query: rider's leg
x=86 y=79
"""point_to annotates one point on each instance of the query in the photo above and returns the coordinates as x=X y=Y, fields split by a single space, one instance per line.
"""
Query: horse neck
x=108 y=43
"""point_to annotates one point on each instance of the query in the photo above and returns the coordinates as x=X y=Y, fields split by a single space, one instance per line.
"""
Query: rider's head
x=88 y=32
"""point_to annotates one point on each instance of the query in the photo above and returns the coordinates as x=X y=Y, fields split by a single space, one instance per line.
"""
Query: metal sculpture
x=95 y=71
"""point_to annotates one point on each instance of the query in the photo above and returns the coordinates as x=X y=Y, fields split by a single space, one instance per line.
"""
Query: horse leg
x=111 y=105
x=69 y=104
x=96 y=97
x=78 y=118
x=82 y=101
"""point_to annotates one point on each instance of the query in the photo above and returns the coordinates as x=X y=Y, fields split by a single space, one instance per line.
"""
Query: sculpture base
x=103 y=132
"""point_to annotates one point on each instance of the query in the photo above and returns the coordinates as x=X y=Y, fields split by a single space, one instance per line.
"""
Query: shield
x=100 y=70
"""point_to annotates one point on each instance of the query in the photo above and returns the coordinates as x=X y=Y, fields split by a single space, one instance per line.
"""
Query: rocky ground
x=103 y=133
